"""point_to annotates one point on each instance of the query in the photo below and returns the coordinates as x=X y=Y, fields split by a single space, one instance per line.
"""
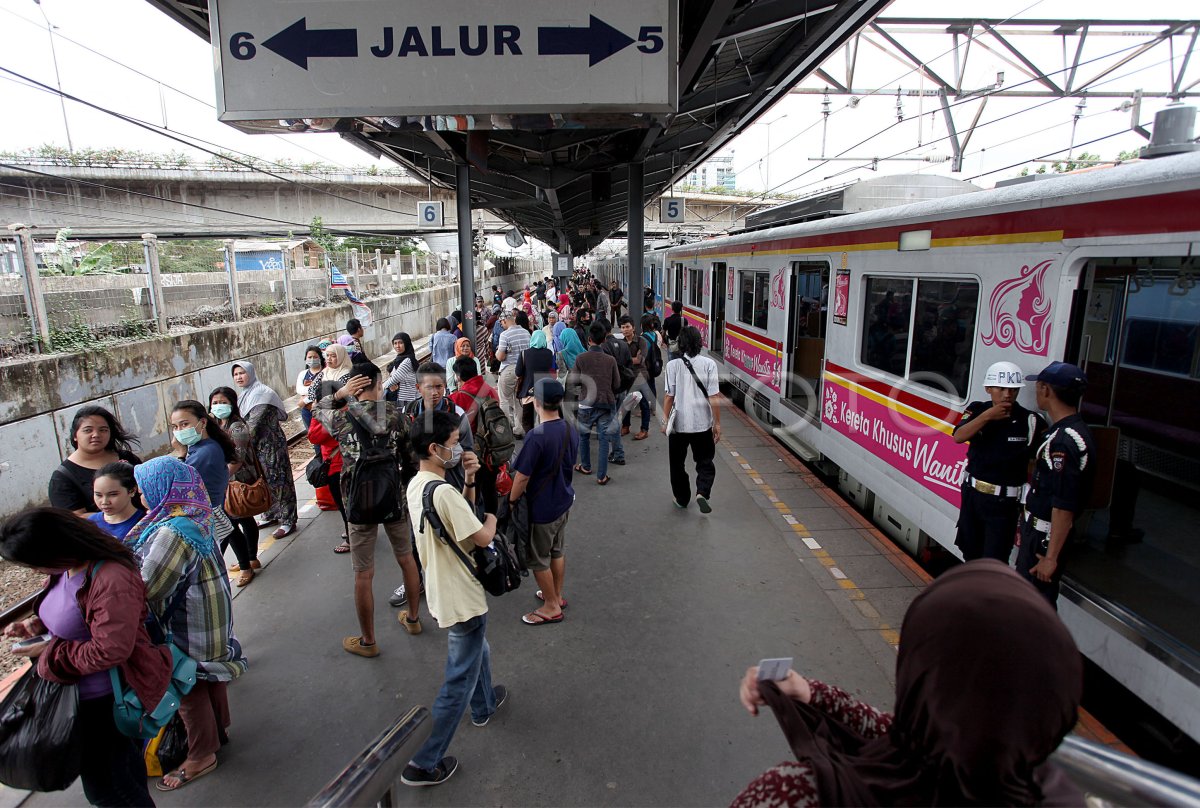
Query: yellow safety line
x=857 y=596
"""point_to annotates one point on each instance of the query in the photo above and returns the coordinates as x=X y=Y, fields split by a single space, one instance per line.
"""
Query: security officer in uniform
x=1002 y=436
x=1062 y=479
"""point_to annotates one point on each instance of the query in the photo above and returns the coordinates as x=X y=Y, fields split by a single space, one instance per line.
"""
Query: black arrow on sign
x=297 y=44
x=599 y=41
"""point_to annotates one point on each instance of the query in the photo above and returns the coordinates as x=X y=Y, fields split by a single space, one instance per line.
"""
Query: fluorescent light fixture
x=915 y=240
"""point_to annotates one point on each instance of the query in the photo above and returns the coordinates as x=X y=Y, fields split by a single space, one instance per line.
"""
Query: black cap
x=1060 y=374
x=548 y=391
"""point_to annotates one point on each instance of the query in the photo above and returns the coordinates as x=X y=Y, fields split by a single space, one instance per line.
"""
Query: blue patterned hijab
x=175 y=494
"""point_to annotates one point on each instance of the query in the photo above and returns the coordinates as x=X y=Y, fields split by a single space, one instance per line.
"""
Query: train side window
x=944 y=334
x=888 y=310
x=695 y=290
x=753 y=291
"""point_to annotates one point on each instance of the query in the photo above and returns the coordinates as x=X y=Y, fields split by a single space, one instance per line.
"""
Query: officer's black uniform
x=1062 y=479
x=997 y=467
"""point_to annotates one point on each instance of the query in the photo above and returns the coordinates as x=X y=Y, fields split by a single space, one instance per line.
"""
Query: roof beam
x=698 y=54
x=1034 y=69
x=918 y=63
x=765 y=15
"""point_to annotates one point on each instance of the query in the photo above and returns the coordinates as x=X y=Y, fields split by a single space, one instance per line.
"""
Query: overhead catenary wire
x=173 y=136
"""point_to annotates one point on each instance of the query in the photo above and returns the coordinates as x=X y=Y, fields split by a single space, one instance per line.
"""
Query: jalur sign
x=379 y=57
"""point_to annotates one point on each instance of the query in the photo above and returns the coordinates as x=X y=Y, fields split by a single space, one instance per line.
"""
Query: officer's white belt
x=993 y=490
x=1040 y=525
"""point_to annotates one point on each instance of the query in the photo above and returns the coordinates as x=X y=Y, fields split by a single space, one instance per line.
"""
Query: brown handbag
x=243 y=500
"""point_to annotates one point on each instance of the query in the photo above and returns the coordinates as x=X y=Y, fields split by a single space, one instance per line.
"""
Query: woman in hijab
x=462 y=348
x=401 y=384
x=533 y=365
x=988 y=683
x=264 y=411
x=564 y=306
x=188 y=591
x=568 y=338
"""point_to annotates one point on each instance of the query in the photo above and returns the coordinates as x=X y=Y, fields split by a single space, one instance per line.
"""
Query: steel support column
x=636 y=239
x=466 y=267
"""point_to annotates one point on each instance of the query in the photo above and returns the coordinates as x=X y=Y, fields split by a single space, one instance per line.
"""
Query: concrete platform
x=632 y=700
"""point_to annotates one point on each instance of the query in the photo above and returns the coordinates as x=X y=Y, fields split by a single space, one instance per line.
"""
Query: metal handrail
x=369 y=779
x=1121 y=779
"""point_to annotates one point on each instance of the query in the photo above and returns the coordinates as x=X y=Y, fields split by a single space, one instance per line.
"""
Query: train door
x=716 y=320
x=807 y=305
x=677 y=286
x=1135 y=330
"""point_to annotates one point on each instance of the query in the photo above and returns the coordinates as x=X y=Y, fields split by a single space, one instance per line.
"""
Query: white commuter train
x=860 y=339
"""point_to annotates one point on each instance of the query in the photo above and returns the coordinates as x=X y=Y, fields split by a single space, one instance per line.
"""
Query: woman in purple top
x=93 y=607
x=115 y=491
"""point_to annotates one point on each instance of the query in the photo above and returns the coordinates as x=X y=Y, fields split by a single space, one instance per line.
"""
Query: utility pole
x=39 y=320
x=157 y=304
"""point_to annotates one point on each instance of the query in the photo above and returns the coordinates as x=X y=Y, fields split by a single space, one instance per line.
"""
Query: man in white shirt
x=513 y=340
x=693 y=398
x=456 y=599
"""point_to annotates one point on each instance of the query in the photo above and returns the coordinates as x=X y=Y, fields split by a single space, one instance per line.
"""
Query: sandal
x=344 y=547
x=183 y=777
x=582 y=469
x=605 y=480
x=562 y=602
x=283 y=531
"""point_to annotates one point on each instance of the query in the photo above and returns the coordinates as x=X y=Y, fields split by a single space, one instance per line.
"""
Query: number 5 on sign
x=670 y=210
x=430 y=214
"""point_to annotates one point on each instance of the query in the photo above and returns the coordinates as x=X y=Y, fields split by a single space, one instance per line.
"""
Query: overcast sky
x=137 y=35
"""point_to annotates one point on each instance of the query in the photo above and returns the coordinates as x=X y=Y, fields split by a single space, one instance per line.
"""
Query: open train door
x=808 y=316
x=716 y=321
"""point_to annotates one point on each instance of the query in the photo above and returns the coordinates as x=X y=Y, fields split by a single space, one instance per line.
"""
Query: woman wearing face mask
x=94 y=606
x=314 y=363
x=264 y=411
x=223 y=404
x=208 y=450
x=97 y=439
x=337 y=370
x=115 y=492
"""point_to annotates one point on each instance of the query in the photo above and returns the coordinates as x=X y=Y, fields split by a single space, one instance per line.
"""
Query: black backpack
x=654 y=363
x=374 y=491
x=493 y=432
x=495 y=567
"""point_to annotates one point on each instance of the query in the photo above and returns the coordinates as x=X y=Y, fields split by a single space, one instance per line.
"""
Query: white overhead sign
x=671 y=210
x=359 y=58
x=430 y=214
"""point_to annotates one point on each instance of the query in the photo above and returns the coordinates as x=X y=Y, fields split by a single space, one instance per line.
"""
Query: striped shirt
x=404 y=379
x=202 y=624
x=513 y=341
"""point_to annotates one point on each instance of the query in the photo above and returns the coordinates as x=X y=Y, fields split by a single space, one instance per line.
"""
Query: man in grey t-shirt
x=513 y=340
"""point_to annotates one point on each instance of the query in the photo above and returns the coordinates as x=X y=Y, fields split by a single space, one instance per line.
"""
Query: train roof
x=1139 y=178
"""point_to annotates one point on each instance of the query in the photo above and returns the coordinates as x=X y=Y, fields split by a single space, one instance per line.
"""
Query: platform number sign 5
x=671 y=211
x=430 y=214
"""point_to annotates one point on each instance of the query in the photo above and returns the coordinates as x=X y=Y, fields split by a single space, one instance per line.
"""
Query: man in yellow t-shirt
x=455 y=598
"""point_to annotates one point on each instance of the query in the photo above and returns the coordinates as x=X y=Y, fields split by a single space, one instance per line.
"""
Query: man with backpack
x=618 y=349
x=456 y=598
x=494 y=441
x=373 y=435
x=543 y=470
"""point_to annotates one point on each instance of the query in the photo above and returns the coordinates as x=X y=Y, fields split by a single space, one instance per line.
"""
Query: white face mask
x=456 y=452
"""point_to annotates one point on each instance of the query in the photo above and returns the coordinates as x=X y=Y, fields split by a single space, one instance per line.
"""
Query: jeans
x=617 y=451
x=468 y=678
x=597 y=418
x=704 y=449
x=112 y=769
x=645 y=386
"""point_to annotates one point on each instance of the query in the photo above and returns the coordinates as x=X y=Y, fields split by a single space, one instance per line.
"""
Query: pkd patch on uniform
x=1057 y=459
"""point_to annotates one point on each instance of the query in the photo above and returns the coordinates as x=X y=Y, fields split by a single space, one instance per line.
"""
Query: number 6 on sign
x=670 y=210
x=430 y=214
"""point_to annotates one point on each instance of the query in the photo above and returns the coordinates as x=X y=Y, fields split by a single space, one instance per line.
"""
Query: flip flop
x=540 y=619
x=344 y=547
x=562 y=602
x=605 y=480
x=582 y=470
x=183 y=777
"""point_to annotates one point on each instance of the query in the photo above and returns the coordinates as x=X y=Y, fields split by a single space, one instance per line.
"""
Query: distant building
x=716 y=171
x=257 y=255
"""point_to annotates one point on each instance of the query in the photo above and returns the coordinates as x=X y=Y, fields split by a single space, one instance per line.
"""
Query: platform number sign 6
x=671 y=210
x=430 y=214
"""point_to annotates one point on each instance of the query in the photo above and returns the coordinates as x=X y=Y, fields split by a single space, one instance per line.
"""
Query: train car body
x=860 y=339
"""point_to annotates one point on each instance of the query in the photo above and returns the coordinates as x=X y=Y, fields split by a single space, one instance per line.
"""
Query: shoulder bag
x=243 y=500
x=496 y=567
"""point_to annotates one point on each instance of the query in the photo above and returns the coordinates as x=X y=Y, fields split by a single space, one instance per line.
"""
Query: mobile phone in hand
x=31 y=641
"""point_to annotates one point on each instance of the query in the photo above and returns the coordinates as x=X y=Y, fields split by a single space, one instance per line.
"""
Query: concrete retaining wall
x=142 y=380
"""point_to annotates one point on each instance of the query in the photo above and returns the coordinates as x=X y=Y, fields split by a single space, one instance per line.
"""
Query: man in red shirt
x=471 y=387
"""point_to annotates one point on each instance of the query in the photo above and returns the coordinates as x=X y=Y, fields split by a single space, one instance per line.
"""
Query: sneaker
x=680 y=505
x=412 y=776
x=617 y=461
x=411 y=626
x=702 y=503
x=400 y=597
x=501 y=694
x=354 y=645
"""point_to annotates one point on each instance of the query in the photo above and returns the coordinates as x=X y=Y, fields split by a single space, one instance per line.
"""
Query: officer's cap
x=1060 y=374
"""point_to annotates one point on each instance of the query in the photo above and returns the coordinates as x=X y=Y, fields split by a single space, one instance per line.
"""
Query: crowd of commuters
x=437 y=453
